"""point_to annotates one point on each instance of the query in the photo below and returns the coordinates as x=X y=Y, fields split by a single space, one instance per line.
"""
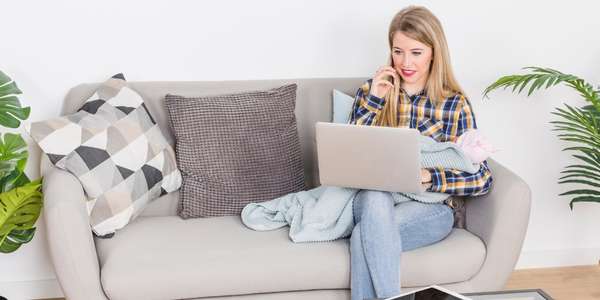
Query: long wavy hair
x=418 y=23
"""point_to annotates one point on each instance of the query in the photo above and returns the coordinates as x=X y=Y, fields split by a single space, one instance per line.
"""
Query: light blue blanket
x=325 y=213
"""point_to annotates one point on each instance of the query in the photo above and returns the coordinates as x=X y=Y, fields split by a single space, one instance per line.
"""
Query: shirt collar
x=421 y=93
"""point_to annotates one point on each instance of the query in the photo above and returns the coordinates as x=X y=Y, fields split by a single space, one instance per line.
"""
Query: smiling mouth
x=408 y=72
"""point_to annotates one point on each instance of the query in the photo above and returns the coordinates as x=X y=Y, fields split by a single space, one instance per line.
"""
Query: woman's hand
x=425 y=176
x=381 y=84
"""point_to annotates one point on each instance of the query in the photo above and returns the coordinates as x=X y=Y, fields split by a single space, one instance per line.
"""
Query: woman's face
x=411 y=59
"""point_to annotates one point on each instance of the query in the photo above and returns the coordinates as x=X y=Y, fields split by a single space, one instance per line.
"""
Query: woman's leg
x=422 y=224
x=379 y=240
x=360 y=279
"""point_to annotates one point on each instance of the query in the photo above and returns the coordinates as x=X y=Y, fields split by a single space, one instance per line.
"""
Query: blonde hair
x=418 y=23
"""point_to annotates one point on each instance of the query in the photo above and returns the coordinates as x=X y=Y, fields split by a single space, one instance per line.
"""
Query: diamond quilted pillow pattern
x=235 y=149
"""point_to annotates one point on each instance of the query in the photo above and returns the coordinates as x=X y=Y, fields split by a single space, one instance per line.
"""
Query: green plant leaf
x=524 y=83
x=8 y=88
x=11 y=111
x=573 y=172
x=565 y=127
x=13 y=156
x=3 y=78
x=14 y=179
x=584 y=199
x=539 y=81
x=585 y=167
x=586 y=91
x=587 y=160
x=8 y=246
x=580 y=126
x=582 y=172
x=21 y=236
x=592 y=110
x=551 y=77
x=19 y=210
x=586 y=182
x=581 y=192
x=584 y=176
x=570 y=129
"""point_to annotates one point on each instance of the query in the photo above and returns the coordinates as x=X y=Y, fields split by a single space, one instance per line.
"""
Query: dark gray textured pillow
x=235 y=149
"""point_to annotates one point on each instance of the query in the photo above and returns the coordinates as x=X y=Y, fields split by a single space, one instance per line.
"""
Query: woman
x=417 y=90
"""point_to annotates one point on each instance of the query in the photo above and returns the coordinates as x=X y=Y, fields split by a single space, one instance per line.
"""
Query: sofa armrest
x=70 y=239
x=500 y=218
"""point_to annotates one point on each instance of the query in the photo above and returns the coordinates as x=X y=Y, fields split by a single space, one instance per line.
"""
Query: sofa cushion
x=235 y=149
x=171 y=258
x=117 y=151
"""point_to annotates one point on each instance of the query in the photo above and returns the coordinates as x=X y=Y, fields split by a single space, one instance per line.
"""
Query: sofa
x=162 y=256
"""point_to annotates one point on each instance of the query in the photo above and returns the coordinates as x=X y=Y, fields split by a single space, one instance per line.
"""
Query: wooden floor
x=568 y=283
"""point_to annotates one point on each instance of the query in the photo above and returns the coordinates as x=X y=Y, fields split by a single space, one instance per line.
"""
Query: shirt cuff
x=438 y=180
x=375 y=101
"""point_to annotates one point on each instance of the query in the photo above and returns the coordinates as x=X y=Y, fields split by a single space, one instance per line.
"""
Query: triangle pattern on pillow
x=126 y=109
x=92 y=156
x=124 y=172
x=152 y=175
x=54 y=158
x=92 y=106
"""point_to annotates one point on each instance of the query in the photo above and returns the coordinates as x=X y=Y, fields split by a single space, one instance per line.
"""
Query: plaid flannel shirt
x=444 y=123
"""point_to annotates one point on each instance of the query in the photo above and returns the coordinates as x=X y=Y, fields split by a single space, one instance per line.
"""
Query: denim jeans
x=382 y=232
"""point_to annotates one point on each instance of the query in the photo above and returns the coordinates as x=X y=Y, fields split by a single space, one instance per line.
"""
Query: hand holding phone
x=383 y=81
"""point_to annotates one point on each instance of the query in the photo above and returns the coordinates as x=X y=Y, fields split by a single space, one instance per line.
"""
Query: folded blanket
x=325 y=213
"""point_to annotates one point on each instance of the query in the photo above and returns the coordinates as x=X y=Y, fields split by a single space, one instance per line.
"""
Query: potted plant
x=20 y=198
x=579 y=125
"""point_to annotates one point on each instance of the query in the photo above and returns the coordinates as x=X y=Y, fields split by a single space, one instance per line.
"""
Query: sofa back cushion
x=313 y=104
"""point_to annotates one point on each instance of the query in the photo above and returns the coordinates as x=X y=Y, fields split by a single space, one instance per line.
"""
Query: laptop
x=369 y=157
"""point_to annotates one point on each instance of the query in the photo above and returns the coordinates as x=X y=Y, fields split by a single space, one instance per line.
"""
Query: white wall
x=50 y=46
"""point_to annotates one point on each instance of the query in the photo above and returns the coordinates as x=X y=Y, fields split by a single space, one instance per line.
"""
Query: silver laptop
x=369 y=157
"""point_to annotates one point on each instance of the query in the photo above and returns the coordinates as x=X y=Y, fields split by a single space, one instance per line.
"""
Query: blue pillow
x=342 y=107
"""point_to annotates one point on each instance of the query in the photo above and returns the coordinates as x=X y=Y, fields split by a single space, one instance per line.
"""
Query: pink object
x=475 y=146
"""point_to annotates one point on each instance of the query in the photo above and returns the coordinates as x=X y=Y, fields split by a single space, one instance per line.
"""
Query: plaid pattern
x=116 y=150
x=235 y=149
x=444 y=123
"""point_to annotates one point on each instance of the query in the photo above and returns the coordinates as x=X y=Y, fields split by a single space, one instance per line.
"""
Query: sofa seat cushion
x=171 y=258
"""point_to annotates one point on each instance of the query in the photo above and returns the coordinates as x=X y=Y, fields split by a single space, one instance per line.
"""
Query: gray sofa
x=161 y=256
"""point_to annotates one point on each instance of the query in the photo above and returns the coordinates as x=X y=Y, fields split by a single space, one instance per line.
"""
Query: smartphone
x=391 y=64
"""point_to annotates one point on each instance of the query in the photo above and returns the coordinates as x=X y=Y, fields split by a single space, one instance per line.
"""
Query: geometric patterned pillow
x=116 y=150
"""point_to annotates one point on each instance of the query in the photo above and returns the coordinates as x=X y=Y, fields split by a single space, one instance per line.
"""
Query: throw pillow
x=116 y=150
x=235 y=149
x=342 y=107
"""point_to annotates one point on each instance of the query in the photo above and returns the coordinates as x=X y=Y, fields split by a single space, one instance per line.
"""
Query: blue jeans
x=382 y=231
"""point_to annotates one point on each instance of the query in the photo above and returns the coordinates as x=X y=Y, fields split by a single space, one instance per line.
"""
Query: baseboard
x=558 y=258
x=37 y=289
